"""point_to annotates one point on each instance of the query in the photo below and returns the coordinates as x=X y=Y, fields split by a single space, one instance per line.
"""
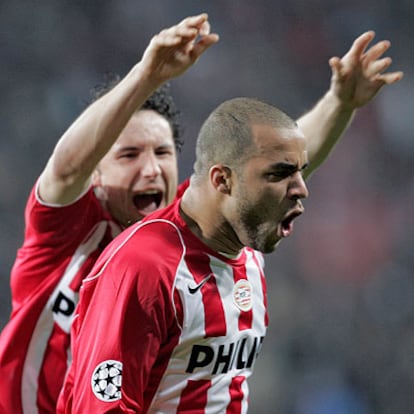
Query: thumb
x=203 y=44
x=335 y=64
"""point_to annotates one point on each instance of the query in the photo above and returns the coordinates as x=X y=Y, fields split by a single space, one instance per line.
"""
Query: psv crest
x=242 y=295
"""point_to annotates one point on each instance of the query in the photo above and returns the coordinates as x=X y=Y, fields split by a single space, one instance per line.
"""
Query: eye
x=128 y=155
x=164 y=151
x=275 y=176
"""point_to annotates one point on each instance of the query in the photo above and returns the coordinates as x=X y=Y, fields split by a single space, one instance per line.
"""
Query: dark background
x=341 y=289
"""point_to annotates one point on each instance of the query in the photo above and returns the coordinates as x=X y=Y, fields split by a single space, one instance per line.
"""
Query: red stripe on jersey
x=236 y=395
x=55 y=360
x=263 y=280
x=245 y=317
x=179 y=313
x=215 y=321
x=194 y=397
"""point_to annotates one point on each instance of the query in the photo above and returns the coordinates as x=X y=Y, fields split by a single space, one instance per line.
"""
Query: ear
x=220 y=178
x=96 y=178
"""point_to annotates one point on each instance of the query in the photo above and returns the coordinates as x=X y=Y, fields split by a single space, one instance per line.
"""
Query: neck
x=205 y=221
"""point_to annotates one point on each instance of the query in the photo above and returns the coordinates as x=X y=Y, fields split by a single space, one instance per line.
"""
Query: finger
x=201 y=46
x=377 y=50
x=194 y=21
x=164 y=39
x=204 y=28
x=190 y=28
x=378 y=66
x=175 y=36
x=390 y=78
x=360 y=44
x=335 y=63
x=336 y=67
x=186 y=30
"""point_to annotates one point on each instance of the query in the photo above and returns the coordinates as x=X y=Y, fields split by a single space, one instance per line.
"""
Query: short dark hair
x=161 y=101
x=226 y=135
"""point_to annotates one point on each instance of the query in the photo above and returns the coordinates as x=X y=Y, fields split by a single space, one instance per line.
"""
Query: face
x=267 y=193
x=139 y=173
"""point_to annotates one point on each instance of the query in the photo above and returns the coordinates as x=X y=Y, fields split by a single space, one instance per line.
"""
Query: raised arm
x=356 y=79
x=169 y=54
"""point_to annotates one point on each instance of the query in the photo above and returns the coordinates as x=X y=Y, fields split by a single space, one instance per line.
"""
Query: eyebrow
x=286 y=167
x=138 y=147
x=129 y=148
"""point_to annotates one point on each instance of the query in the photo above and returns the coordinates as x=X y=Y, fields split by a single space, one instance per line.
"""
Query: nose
x=150 y=166
x=297 y=188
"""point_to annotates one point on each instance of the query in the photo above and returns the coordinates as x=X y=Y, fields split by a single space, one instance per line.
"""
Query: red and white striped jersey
x=60 y=247
x=166 y=325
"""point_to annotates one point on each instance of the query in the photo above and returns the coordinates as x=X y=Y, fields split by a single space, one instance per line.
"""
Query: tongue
x=287 y=228
x=145 y=203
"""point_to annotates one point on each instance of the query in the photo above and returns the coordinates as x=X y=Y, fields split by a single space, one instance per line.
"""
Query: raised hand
x=360 y=73
x=174 y=50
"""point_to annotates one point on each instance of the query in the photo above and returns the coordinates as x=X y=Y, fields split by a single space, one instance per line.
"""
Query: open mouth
x=287 y=223
x=148 y=201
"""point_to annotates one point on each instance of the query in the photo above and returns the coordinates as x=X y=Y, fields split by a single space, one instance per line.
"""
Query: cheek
x=170 y=172
x=267 y=204
x=117 y=176
x=249 y=208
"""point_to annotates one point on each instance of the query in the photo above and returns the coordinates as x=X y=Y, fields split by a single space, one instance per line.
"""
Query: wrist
x=338 y=103
x=147 y=80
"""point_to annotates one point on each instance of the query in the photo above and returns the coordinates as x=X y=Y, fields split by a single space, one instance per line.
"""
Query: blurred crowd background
x=341 y=289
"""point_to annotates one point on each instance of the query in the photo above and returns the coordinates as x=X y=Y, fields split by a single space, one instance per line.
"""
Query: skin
x=270 y=188
x=91 y=136
x=87 y=144
x=90 y=148
x=357 y=77
x=142 y=161
x=253 y=205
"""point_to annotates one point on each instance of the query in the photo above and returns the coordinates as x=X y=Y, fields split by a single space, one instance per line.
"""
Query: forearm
x=323 y=125
x=169 y=54
x=91 y=136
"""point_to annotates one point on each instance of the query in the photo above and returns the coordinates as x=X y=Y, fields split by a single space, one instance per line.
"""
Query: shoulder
x=158 y=234
x=143 y=246
x=140 y=265
x=151 y=239
x=45 y=217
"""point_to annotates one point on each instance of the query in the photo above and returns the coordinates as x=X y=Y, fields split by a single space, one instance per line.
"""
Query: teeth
x=149 y=192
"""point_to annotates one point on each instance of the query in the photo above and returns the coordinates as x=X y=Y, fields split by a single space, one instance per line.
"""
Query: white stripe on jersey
x=232 y=355
x=44 y=326
x=255 y=280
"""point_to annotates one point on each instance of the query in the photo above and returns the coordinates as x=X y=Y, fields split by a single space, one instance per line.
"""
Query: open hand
x=174 y=50
x=359 y=74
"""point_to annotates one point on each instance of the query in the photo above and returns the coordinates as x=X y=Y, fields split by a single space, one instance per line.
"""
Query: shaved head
x=226 y=136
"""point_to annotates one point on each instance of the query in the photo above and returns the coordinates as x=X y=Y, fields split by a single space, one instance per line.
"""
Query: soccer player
x=174 y=313
x=115 y=164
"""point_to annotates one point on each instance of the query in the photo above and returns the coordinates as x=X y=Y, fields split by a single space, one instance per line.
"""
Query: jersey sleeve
x=51 y=222
x=52 y=235
x=123 y=334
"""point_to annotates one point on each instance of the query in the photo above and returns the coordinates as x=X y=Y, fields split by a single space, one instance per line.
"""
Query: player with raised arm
x=113 y=165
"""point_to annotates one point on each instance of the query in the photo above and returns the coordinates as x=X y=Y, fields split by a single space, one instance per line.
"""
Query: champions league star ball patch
x=107 y=380
x=242 y=295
